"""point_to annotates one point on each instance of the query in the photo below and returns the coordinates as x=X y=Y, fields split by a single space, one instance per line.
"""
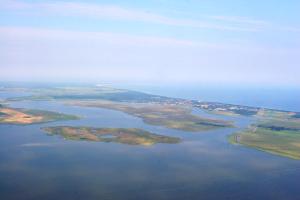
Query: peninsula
x=26 y=116
x=278 y=135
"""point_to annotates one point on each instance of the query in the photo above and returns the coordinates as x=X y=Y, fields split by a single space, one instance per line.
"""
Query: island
x=30 y=116
x=160 y=114
x=131 y=136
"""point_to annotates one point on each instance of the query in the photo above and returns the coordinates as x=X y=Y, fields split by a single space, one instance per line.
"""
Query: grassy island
x=132 y=136
x=26 y=116
x=160 y=114
x=277 y=136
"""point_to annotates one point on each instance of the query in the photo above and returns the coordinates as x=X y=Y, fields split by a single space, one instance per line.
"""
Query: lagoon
x=204 y=165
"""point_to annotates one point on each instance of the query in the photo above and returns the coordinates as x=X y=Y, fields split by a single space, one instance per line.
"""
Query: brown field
x=18 y=117
x=26 y=116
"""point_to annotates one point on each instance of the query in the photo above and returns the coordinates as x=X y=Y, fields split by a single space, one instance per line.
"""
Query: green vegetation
x=276 y=131
x=277 y=136
x=230 y=109
x=167 y=115
x=88 y=93
x=51 y=116
x=130 y=136
x=275 y=114
x=153 y=109
x=26 y=116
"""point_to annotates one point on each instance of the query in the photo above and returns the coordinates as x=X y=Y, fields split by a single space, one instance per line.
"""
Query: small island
x=131 y=136
x=28 y=116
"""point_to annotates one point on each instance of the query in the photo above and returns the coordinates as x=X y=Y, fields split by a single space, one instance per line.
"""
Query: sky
x=237 y=42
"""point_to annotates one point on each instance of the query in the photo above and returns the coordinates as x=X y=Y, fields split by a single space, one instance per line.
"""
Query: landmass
x=27 y=116
x=108 y=93
x=241 y=110
x=276 y=135
x=156 y=110
x=275 y=131
x=131 y=136
x=167 y=115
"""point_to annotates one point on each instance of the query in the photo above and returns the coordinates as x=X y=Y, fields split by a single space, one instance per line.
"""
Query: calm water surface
x=286 y=98
x=204 y=166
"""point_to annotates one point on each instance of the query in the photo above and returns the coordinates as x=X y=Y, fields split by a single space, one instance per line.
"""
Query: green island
x=131 y=136
x=274 y=133
x=28 y=116
x=159 y=114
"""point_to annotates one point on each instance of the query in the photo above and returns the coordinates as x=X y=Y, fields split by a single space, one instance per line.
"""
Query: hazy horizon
x=152 y=42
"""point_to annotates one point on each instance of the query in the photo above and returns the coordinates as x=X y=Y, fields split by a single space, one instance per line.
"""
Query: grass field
x=167 y=115
x=130 y=136
x=276 y=136
x=24 y=116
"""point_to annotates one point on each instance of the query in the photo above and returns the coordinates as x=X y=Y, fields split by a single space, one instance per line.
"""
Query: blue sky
x=155 y=41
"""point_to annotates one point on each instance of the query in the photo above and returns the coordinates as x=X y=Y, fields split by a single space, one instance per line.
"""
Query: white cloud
x=118 y=13
x=239 y=19
x=113 y=12
x=43 y=54
x=104 y=37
